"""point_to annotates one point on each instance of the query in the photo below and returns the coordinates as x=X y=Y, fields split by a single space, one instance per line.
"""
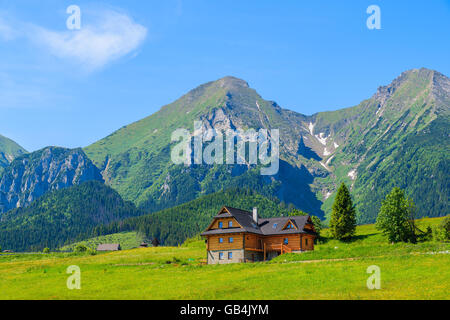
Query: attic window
x=220 y=225
x=274 y=225
x=290 y=226
x=230 y=224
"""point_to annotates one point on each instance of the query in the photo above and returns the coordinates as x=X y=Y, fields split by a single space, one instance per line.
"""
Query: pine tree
x=343 y=215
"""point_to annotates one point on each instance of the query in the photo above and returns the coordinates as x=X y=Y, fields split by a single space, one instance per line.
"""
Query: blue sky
x=71 y=88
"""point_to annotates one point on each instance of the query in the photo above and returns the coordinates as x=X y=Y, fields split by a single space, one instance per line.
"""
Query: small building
x=109 y=247
x=143 y=245
x=237 y=235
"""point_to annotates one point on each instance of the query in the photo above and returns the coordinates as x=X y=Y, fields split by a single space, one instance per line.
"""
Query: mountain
x=9 y=150
x=135 y=160
x=399 y=137
x=63 y=216
x=32 y=175
x=174 y=225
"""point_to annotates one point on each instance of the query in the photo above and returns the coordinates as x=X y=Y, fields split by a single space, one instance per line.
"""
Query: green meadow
x=335 y=270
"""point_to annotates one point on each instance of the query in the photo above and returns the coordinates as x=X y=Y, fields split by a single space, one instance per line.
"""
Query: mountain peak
x=415 y=80
x=230 y=81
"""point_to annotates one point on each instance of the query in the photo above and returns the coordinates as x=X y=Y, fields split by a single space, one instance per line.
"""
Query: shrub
x=80 y=248
x=396 y=217
x=442 y=232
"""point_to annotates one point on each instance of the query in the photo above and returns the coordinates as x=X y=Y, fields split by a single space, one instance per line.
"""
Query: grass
x=407 y=272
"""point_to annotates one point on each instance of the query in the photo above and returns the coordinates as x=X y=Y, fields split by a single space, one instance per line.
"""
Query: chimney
x=255 y=215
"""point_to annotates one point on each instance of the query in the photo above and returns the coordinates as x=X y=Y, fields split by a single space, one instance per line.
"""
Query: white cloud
x=112 y=36
x=108 y=36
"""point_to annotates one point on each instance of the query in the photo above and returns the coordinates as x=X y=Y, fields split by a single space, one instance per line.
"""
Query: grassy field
x=335 y=270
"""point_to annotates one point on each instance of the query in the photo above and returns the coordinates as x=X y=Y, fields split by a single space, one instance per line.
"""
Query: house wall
x=238 y=256
x=253 y=241
x=293 y=240
x=253 y=256
x=307 y=242
x=214 y=244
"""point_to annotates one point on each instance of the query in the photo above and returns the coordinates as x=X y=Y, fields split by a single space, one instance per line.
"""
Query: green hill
x=62 y=217
x=127 y=240
x=9 y=150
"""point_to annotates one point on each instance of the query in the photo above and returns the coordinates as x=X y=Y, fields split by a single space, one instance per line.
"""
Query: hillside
x=397 y=137
x=9 y=150
x=63 y=216
x=174 y=225
x=127 y=240
x=332 y=271
x=32 y=175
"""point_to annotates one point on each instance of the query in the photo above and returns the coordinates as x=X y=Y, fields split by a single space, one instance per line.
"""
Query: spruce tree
x=343 y=215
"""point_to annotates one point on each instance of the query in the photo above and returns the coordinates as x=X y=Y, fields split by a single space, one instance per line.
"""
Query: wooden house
x=237 y=235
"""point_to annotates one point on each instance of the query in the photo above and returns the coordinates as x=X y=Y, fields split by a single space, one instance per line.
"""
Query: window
x=230 y=255
x=290 y=226
x=286 y=240
x=274 y=225
x=220 y=225
x=230 y=240
x=220 y=255
x=230 y=224
x=306 y=241
x=220 y=240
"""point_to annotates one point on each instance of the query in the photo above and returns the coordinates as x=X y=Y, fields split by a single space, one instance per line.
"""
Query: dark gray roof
x=266 y=226
x=223 y=231
x=108 y=247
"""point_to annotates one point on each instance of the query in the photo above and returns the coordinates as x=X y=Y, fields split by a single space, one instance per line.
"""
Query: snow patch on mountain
x=352 y=174
x=322 y=139
x=311 y=128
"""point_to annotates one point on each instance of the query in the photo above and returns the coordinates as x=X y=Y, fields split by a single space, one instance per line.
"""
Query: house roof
x=108 y=247
x=266 y=226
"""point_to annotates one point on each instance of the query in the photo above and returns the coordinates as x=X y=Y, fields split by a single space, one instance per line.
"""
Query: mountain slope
x=32 y=175
x=9 y=150
x=371 y=146
x=399 y=137
x=136 y=159
x=63 y=216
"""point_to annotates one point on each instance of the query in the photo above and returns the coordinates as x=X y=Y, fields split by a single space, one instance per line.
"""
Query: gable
x=289 y=225
x=223 y=218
